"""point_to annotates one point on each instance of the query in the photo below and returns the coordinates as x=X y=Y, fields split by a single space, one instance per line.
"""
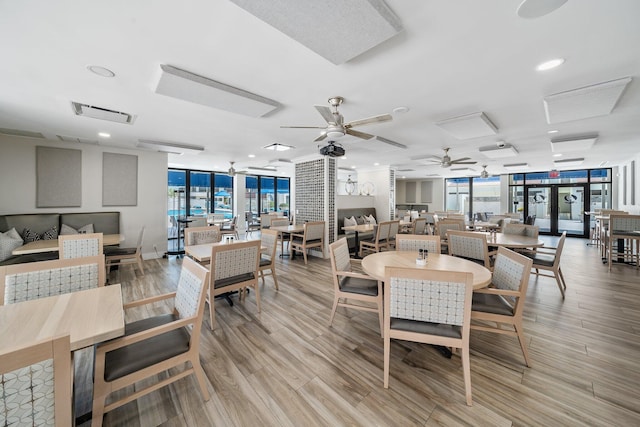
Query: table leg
x=356 y=238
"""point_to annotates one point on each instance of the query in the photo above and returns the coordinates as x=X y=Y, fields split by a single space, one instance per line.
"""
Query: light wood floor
x=286 y=367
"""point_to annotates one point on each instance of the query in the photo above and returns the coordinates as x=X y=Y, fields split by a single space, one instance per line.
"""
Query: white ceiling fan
x=484 y=173
x=446 y=161
x=233 y=172
x=337 y=128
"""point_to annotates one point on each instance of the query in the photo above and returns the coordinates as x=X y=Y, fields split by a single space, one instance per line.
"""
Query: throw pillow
x=370 y=220
x=9 y=241
x=50 y=234
x=67 y=229
x=30 y=236
x=361 y=220
x=348 y=222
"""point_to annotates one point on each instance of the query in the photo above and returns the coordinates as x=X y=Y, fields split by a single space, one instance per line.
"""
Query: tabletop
x=360 y=228
x=375 y=264
x=297 y=228
x=90 y=316
x=513 y=240
x=202 y=253
x=40 y=246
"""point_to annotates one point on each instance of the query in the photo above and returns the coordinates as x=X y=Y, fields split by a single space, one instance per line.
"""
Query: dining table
x=202 y=252
x=40 y=246
x=357 y=229
x=513 y=241
x=375 y=265
x=286 y=229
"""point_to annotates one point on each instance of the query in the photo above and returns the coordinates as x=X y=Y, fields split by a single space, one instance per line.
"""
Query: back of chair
x=202 y=235
x=313 y=230
x=433 y=296
x=469 y=245
x=235 y=260
x=80 y=245
x=197 y=221
x=35 y=384
x=191 y=292
x=394 y=226
x=559 y=248
x=140 y=240
x=269 y=239
x=382 y=231
x=444 y=226
x=511 y=272
x=340 y=259
x=521 y=229
x=33 y=280
x=279 y=222
x=419 y=225
x=415 y=242
x=265 y=220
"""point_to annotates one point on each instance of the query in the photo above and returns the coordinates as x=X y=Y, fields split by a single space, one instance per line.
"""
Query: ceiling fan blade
x=463 y=163
x=326 y=113
x=374 y=119
x=461 y=159
x=359 y=134
x=425 y=156
x=322 y=136
x=304 y=127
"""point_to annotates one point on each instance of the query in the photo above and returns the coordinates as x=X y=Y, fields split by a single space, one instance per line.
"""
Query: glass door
x=558 y=208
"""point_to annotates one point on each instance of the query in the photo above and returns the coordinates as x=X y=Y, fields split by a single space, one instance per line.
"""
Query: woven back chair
x=80 y=245
x=415 y=242
x=469 y=245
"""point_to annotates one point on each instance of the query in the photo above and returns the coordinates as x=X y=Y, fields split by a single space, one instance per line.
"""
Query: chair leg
x=333 y=310
x=257 y=290
x=381 y=317
x=262 y=276
x=140 y=264
x=559 y=282
x=200 y=376
x=97 y=411
x=304 y=254
x=523 y=344
x=387 y=355
x=564 y=282
x=275 y=279
x=466 y=369
x=212 y=313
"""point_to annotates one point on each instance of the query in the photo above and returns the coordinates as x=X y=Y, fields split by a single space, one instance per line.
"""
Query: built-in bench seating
x=354 y=212
x=103 y=222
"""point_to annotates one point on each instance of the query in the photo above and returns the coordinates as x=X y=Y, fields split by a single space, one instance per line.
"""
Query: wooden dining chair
x=415 y=242
x=624 y=238
x=378 y=241
x=351 y=285
x=80 y=245
x=521 y=229
x=394 y=227
x=116 y=255
x=469 y=245
x=35 y=384
x=154 y=346
x=234 y=267
x=269 y=240
x=418 y=226
x=282 y=237
x=311 y=237
x=548 y=259
x=428 y=306
x=231 y=228
x=502 y=303
x=202 y=235
x=33 y=280
x=442 y=226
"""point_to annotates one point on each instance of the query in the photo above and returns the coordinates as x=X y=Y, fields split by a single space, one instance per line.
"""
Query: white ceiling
x=453 y=58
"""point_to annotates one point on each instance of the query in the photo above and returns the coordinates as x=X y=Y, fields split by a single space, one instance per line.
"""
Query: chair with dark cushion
x=502 y=303
x=35 y=384
x=234 y=267
x=351 y=285
x=269 y=240
x=415 y=242
x=80 y=245
x=379 y=240
x=548 y=259
x=469 y=245
x=153 y=346
x=428 y=306
x=116 y=255
x=312 y=237
x=231 y=228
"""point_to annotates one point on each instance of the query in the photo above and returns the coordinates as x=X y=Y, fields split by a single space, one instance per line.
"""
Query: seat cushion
x=21 y=259
x=356 y=285
x=541 y=259
x=429 y=328
x=227 y=281
x=488 y=303
x=143 y=354
x=115 y=250
x=264 y=262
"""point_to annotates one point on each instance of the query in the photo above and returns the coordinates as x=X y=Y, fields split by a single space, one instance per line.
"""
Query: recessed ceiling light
x=104 y=135
x=557 y=155
x=553 y=131
x=548 y=65
x=403 y=177
x=251 y=156
x=376 y=164
x=101 y=71
x=401 y=110
x=353 y=166
x=343 y=158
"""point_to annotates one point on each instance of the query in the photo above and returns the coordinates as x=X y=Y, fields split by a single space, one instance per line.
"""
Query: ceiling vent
x=589 y=101
x=77 y=140
x=577 y=143
x=337 y=31
x=568 y=162
x=170 y=147
x=190 y=87
x=21 y=133
x=280 y=161
x=101 y=113
x=263 y=168
x=473 y=125
x=498 y=152
x=516 y=166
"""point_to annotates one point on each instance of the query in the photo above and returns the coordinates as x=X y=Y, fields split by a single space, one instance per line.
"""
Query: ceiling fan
x=446 y=162
x=484 y=173
x=232 y=171
x=336 y=127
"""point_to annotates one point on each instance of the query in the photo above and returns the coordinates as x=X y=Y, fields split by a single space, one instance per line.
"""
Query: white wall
x=18 y=188
x=379 y=177
x=346 y=202
x=619 y=177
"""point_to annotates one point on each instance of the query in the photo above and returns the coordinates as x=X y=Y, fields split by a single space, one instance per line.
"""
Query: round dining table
x=513 y=241
x=374 y=265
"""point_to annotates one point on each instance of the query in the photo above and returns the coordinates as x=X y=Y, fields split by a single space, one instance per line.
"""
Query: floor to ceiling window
x=223 y=194
x=474 y=197
x=457 y=194
x=251 y=201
